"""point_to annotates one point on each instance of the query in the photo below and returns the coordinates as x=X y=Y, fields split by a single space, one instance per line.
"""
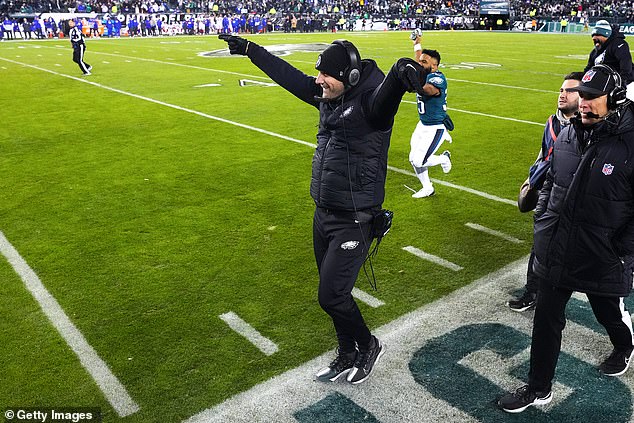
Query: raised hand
x=237 y=45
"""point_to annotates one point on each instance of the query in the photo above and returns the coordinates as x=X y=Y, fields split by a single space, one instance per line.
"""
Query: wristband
x=417 y=47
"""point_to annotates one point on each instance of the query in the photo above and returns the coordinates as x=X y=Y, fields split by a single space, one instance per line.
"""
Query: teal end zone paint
x=435 y=366
x=581 y=313
x=334 y=408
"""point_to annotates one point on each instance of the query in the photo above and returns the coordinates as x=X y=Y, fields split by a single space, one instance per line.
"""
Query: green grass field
x=146 y=221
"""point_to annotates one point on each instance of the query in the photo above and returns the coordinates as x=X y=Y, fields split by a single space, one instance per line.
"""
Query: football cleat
x=446 y=167
x=424 y=192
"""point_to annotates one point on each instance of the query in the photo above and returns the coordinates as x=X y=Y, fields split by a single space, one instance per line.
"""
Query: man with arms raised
x=356 y=104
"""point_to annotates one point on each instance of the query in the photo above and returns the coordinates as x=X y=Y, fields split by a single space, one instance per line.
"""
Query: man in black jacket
x=79 y=47
x=611 y=49
x=567 y=107
x=356 y=104
x=584 y=233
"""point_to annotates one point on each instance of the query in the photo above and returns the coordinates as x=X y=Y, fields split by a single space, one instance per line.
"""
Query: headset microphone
x=321 y=99
x=592 y=115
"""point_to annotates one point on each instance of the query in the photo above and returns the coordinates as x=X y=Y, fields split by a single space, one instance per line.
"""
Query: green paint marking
x=335 y=408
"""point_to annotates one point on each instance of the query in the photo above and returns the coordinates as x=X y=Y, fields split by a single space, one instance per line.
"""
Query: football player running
x=434 y=124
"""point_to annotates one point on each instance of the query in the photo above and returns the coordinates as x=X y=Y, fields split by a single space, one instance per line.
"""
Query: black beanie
x=333 y=61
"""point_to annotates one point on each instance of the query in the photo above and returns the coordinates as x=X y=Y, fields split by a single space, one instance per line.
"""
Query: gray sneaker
x=340 y=366
x=365 y=363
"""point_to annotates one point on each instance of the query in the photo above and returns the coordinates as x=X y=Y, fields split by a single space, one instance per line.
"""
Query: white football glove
x=415 y=33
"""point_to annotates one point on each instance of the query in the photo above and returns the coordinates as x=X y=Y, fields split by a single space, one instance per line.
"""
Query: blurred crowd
x=139 y=17
x=383 y=8
x=623 y=10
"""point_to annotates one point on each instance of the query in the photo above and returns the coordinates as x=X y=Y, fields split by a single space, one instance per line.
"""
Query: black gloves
x=411 y=74
x=237 y=45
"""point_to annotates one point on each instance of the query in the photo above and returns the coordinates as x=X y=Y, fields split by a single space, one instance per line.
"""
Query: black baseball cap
x=596 y=82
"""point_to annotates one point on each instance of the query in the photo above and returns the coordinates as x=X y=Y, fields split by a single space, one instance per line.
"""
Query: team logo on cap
x=607 y=169
x=588 y=76
x=318 y=61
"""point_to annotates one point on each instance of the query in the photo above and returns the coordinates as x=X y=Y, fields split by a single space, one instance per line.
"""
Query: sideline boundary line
x=108 y=383
x=277 y=398
x=392 y=394
x=241 y=125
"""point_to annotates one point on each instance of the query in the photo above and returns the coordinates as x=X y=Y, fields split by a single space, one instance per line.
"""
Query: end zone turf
x=449 y=361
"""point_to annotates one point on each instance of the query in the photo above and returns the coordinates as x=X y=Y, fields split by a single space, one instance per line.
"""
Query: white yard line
x=432 y=258
x=513 y=87
x=162 y=103
x=458 y=187
x=404 y=101
x=182 y=65
x=497 y=117
x=112 y=389
x=261 y=342
x=251 y=128
x=366 y=298
x=493 y=232
x=487 y=115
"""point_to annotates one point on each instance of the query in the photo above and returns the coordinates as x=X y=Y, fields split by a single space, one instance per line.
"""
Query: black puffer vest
x=350 y=162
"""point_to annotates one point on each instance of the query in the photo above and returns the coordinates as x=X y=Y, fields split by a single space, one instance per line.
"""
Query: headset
x=617 y=96
x=352 y=73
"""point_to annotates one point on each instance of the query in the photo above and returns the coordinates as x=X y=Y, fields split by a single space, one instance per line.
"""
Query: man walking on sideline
x=567 y=107
x=584 y=233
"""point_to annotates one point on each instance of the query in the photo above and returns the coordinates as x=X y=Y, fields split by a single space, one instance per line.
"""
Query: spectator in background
x=17 y=29
x=611 y=49
x=94 y=27
x=26 y=27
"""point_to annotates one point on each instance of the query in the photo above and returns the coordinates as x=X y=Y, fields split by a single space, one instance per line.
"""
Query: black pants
x=341 y=241
x=550 y=320
x=532 y=281
x=78 y=57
